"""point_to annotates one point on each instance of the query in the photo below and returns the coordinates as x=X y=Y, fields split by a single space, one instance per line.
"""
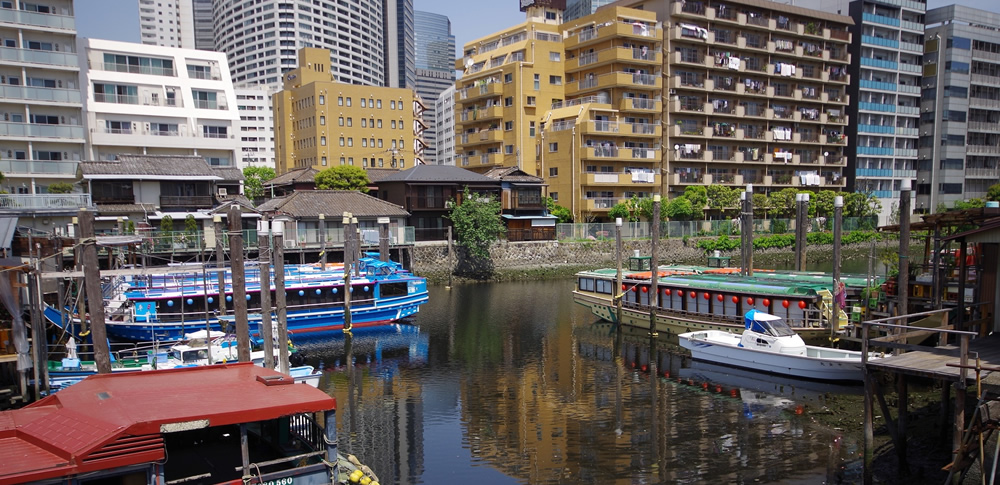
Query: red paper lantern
x=767 y=302
x=635 y=289
x=667 y=292
x=785 y=303
x=802 y=305
x=736 y=300
x=623 y=287
x=720 y=297
x=694 y=294
x=750 y=301
x=645 y=289
x=705 y=295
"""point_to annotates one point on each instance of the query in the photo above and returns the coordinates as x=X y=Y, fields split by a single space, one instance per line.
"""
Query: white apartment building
x=41 y=120
x=444 y=124
x=153 y=100
x=262 y=38
x=177 y=23
x=256 y=126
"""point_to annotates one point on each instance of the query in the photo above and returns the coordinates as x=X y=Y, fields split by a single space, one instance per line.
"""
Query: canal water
x=515 y=383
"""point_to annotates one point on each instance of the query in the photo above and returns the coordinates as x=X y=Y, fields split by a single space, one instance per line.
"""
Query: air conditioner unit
x=223 y=192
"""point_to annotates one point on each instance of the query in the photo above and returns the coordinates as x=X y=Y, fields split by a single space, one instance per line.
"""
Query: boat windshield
x=189 y=356
x=776 y=328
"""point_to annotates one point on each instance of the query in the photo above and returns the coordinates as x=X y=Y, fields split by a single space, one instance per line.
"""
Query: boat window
x=606 y=287
x=777 y=328
x=586 y=284
x=392 y=289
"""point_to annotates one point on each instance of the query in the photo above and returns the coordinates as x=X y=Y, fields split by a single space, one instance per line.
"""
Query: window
x=531 y=100
x=350 y=141
x=380 y=122
x=555 y=196
x=392 y=124
x=953 y=140
x=949 y=188
x=322 y=141
x=508 y=101
x=348 y=101
x=322 y=99
x=340 y=101
x=118 y=127
x=324 y=161
x=959 y=43
x=949 y=115
x=214 y=131
x=350 y=121
x=363 y=104
x=955 y=66
x=555 y=56
x=378 y=102
x=952 y=164
x=508 y=78
x=340 y=121
x=364 y=122
x=538 y=82
x=956 y=92
x=553 y=147
x=554 y=172
x=341 y=141
x=364 y=143
x=508 y=149
x=549 y=15
x=508 y=125
x=556 y=80
x=392 y=104
x=322 y=120
x=531 y=128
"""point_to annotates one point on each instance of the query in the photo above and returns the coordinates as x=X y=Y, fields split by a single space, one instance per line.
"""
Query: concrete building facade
x=959 y=155
x=320 y=123
x=152 y=100
x=444 y=124
x=399 y=48
x=41 y=119
x=256 y=125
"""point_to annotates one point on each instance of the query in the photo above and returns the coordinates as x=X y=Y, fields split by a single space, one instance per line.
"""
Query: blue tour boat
x=166 y=307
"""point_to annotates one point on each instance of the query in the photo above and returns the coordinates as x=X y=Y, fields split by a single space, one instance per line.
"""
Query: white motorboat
x=767 y=344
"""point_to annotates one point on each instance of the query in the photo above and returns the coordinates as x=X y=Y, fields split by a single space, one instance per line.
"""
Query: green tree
x=761 y=205
x=860 y=204
x=130 y=227
x=646 y=209
x=564 y=215
x=680 y=209
x=698 y=195
x=167 y=224
x=61 y=188
x=190 y=225
x=477 y=222
x=343 y=177
x=253 y=181
x=992 y=193
x=969 y=204
x=621 y=210
x=782 y=202
x=723 y=198
x=821 y=204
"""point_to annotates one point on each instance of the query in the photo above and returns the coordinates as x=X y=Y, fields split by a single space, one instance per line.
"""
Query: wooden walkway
x=933 y=362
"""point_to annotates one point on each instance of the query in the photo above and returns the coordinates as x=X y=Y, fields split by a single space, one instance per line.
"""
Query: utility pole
x=322 y=241
x=278 y=240
x=220 y=263
x=95 y=298
x=264 y=262
x=239 y=283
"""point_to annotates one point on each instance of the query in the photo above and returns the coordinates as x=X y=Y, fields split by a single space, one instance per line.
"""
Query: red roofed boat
x=237 y=423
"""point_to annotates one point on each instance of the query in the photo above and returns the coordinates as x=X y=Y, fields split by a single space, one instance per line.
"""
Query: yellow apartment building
x=319 y=122
x=509 y=81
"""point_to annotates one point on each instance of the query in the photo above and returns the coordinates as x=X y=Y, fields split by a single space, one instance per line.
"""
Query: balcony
x=485 y=90
x=41 y=131
x=879 y=63
x=116 y=98
x=601 y=204
x=618 y=80
x=617 y=54
x=640 y=104
x=622 y=178
x=617 y=29
x=879 y=19
x=30 y=93
x=24 y=17
x=195 y=201
x=209 y=104
x=27 y=168
x=48 y=58
x=482 y=114
x=485 y=136
x=989 y=173
x=879 y=41
x=136 y=69
x=44 y=202
x=644 y=129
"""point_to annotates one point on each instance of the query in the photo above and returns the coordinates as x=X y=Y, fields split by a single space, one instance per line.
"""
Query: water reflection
x=514 y=383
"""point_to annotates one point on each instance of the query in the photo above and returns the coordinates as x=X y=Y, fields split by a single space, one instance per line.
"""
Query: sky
x=470 y=19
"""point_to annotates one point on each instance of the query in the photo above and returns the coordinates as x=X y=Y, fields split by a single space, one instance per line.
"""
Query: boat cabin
x=230 y=423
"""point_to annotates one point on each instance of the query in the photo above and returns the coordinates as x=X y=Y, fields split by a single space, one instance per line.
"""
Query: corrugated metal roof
x=55 y=436
x=312 y=203
x=151 y=166
x=377 y=174
x=438 y=173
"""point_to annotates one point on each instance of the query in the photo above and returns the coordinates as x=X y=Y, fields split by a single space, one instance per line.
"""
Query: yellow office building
x=319 y=122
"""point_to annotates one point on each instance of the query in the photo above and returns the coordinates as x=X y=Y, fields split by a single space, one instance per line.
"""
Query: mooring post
x=451 y=257
x=264 y=263
x=281 y=307
x=838 y=221
x=618 y=291
x=963 y=274
x=239 y=283
x=92 y=289
x=904 y=251
x=383 y=239
x=654 y=265
x=743 y=233
x=936 y=272
x=869 y=431
x=348 y=249
x=322 y=241
x=220 y=263
x=749 y=229
x=804 y=234
x=902 y=394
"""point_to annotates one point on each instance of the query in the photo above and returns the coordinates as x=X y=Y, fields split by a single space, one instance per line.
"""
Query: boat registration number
x=280 y=481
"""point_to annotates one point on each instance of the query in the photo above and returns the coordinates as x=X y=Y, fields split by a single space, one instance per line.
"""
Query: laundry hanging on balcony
x=689 y=30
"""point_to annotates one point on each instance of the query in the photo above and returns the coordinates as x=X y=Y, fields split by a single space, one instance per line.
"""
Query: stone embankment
x=512 y=261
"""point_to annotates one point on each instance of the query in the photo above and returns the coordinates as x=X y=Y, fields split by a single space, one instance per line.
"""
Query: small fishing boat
x=767 y=344
x=689 y=299
x=165 y=307
x=232 y=423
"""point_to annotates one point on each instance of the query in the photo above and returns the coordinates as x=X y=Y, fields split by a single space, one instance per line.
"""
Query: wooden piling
x=95 y=297
x=264 y=262
x=838 y=221
x=618 y=291
x=654 y=272
x=239 y=283
x=903 y=285
x=280 y=303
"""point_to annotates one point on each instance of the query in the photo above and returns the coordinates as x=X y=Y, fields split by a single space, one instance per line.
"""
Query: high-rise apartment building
x=444 y=125
x=398 y=28
x=319 y=122
x=886 y=91
x=153 y=100
x=435 y=64
x=256 y=125
x=169 y=23
x=41 y=120
x=510 y=80
x=261 y=39
x=959 y=154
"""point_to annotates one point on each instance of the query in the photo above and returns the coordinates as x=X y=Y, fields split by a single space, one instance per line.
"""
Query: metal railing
x=29 y=202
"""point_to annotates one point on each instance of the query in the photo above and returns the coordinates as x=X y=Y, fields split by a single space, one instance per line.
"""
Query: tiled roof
x=108 y=209
x=159 y=165
x=379 y=174
x=304 y=174
x=227 y=202
x=511 y=174
x=312 y=203
x=438 y=173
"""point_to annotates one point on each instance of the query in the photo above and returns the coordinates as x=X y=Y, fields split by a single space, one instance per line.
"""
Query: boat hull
x=676 y=323
x=818 y=363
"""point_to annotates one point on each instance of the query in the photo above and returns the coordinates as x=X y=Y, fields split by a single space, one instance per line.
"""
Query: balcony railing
x=31 y=93
x=68 y=59
x=46 y=167
x=46 y=131
x=116 y=98
x=186 y=201
x=135 y=69
x=38 y=19
x=30 y=202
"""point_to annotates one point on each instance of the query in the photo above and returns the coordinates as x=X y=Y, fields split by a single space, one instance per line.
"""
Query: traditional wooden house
x=301 y=212
x=522 y=198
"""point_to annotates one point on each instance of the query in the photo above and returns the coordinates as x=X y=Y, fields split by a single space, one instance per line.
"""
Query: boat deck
x=933 y=363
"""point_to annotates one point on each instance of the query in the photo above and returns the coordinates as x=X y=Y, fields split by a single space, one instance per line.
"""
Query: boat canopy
x=767 y=324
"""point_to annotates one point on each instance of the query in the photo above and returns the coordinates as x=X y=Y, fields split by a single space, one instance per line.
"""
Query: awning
x=8 y=226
